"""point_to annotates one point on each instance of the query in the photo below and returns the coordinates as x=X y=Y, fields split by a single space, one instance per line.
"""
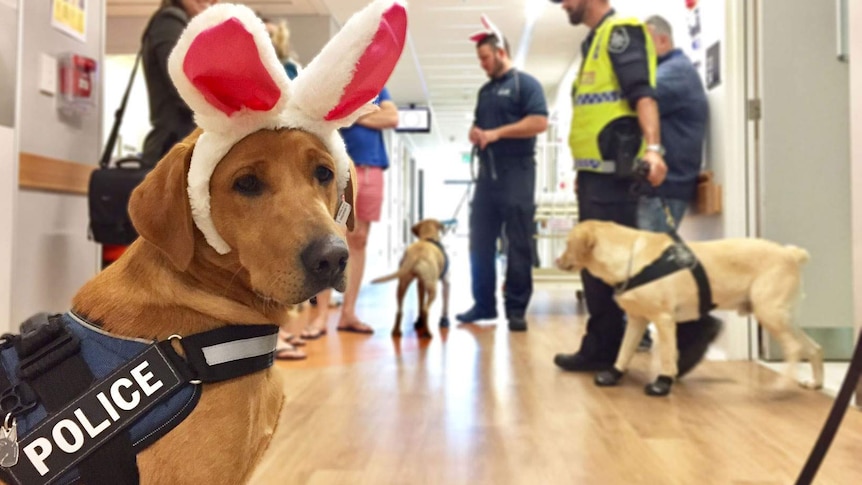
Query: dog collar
x=445 y=256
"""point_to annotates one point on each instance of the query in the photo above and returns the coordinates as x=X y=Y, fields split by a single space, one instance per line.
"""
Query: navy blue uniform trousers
x=607 y=198
x=507 y=203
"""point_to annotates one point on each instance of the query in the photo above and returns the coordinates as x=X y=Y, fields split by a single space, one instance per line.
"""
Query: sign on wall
x=70 y=17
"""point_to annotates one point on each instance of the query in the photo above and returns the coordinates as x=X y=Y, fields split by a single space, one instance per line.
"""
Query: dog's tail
x=798 y=254
x=404 y=269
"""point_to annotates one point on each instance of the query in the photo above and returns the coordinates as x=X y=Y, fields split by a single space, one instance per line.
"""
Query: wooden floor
x=481 y=405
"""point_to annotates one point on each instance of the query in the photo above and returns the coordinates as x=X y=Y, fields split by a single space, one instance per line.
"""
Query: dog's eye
x=248 y=185
x=323 y=174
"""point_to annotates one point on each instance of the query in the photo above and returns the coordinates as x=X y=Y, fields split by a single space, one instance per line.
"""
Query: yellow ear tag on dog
x=343 y=212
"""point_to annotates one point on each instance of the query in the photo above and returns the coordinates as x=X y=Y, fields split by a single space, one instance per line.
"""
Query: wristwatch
x=655 y=148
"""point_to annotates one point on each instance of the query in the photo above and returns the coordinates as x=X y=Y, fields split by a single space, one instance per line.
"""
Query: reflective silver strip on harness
x=240 y=349
x=602 y=166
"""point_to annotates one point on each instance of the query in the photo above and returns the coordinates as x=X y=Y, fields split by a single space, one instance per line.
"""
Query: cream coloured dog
x=752 y=276
x=424 y=261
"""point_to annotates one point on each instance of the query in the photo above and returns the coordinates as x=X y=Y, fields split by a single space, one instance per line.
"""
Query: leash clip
x=9 y=442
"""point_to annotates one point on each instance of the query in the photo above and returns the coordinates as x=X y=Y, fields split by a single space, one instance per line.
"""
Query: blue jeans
x=651 y=216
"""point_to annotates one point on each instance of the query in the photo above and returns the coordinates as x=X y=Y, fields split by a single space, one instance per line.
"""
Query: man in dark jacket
x=171 y=118
x=683 y=111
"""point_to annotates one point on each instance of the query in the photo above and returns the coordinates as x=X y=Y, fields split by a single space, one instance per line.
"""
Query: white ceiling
x=439 y=67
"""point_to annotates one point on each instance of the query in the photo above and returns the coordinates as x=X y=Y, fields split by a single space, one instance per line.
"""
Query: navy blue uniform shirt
x=506 y=100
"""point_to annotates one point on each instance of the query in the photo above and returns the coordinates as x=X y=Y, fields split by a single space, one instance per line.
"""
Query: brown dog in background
x=424 y=261
x=170 y=281
x=752 y=276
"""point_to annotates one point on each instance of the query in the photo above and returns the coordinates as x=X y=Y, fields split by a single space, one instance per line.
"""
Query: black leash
x=836 y=415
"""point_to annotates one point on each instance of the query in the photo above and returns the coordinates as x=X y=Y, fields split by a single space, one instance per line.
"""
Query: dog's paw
x=610 y=377
x=661 y=386
x=811 y=385
x=444 y=322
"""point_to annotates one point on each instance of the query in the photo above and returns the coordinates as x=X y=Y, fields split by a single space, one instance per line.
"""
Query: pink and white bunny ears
x=490 y=29
x=225 y=68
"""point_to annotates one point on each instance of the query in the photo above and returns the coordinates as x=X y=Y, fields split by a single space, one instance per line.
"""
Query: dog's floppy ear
x=350 y=197
x=416 y=228
x=585 y=241
x=159 y=206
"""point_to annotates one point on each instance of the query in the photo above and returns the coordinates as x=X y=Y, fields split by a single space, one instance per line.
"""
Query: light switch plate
x=48 y=74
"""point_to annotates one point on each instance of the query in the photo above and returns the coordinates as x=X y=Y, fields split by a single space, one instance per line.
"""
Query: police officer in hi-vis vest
x=615 y=121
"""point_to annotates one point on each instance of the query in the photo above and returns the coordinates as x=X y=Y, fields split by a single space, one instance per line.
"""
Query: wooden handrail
x=53 y=175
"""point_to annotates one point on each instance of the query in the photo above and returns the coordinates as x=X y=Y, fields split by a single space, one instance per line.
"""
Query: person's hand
x=657 y=168
x=488 y=137
x=474 y=135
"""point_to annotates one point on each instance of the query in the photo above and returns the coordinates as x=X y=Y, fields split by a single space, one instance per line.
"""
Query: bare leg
x=317 y=326
x=356 y=242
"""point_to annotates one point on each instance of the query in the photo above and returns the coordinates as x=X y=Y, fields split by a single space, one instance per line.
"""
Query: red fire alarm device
x=77 y=83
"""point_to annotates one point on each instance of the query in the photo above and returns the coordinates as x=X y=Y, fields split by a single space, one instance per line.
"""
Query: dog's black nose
x=325 y=259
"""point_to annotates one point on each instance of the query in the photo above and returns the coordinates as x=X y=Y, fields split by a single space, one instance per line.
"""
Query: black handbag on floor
x=111 y=186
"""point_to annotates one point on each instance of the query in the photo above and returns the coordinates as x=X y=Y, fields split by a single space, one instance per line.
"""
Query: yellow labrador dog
x=752 y=276
x=426 y=262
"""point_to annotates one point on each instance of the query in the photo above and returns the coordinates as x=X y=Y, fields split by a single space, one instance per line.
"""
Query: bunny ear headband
x=490 y=29
x=225 y=68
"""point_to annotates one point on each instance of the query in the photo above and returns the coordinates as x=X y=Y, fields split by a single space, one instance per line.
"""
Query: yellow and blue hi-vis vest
x=598 y=98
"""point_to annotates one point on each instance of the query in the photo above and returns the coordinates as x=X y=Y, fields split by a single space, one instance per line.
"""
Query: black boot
x=692 y=342
x=580 y=362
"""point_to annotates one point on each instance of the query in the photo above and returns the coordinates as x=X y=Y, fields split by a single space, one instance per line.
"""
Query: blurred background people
x=170 y=117
x=614 y=120
x=279 y=33
x=364 y=142
x=511 y=110
x=683 y=111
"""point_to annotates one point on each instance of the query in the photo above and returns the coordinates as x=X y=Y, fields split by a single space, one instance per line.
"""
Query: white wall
x=8 y=60
x=52 y=256
x=8 y=150
x=805 y=193
x=8 y=189
x=855 y=35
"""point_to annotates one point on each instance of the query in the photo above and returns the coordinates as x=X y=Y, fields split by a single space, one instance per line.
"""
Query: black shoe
x=577 y=362
x=693 y=342
x=475 y=314
x=517 y=324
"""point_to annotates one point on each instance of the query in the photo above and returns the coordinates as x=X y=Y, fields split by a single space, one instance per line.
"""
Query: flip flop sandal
x=290 y=338
x=313 y=334
x=289 y=352
x=365 y=330
x=296 y=341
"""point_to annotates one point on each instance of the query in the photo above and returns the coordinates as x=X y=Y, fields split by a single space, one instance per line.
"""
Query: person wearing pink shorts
x=364 y=142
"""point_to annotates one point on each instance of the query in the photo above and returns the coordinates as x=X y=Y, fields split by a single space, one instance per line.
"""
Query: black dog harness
x=676 y=257
x=445 y=256
x=79 y=403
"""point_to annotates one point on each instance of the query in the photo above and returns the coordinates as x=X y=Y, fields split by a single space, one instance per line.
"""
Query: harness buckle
x=17 y=399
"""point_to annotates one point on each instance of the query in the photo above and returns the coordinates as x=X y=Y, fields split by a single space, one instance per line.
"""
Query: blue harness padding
x=104 y=353
x=445 y=256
